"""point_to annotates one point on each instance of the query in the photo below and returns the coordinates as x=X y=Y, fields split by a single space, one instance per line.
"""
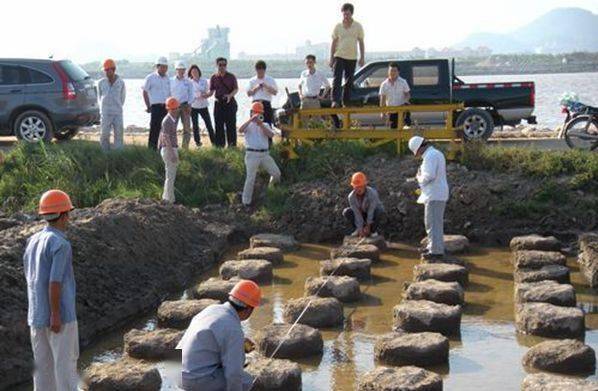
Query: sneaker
x=355 y=233
x=374 y=235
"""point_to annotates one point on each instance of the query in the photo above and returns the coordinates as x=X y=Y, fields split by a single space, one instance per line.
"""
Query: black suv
x=41 y=99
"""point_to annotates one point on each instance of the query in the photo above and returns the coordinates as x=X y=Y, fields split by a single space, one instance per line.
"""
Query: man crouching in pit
x=213 y=347
x=365 y=209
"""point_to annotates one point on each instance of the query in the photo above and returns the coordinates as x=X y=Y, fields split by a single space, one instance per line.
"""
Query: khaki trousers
x=55 y=356
x=253 y=162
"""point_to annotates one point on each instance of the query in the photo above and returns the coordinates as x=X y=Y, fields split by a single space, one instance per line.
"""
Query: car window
x=373 y=79
x=10 y=74
x=74 y=71
x=37 y=77
x=425 y=75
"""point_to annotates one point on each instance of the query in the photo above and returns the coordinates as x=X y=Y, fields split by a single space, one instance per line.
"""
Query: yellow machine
x=299 y=131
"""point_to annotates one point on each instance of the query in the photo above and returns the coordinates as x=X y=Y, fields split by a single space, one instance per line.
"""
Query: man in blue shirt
x=212 y=348
x=48 y=268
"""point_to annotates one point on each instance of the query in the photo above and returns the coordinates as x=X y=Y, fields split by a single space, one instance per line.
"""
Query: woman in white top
x=199 y=106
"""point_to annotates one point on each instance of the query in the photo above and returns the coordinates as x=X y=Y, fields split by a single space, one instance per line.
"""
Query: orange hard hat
x=172 y=103
x=109 y=63
x=257 y=107
x=247 y=292
x=55 y=202
x=359 y=179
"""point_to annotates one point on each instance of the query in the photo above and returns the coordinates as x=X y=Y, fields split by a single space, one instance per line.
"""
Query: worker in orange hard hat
x=257 y=132
x=365 y=210
x=48 y=268
x=213 y=351
x=168 y=145
x=112 y=93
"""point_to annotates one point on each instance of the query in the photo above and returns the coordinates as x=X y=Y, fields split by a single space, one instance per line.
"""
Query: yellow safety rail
x=296 y=132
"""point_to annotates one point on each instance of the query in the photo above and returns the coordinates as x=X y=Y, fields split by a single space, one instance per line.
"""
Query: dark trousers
x=225 y=117
x=268 y=115
x=347 y=68
x=157 y=114
x=394 y=120
x=350 y=217
x=205 y=116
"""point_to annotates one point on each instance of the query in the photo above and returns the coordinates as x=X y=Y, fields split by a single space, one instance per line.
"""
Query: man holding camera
x=257 y=155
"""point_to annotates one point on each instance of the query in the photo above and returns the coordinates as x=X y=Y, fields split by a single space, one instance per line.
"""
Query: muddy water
x=487 y=354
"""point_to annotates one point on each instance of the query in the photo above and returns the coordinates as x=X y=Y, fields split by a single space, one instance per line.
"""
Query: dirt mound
x=485 y=206
x=128 y=255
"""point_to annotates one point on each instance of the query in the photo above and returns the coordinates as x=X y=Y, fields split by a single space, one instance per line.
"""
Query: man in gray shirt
x=213 y=352
x=112 y=94
x=365 y=209
x=48 y=268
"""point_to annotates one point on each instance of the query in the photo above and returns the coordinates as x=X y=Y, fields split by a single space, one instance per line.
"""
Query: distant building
x=320 y=50
x=215 y=45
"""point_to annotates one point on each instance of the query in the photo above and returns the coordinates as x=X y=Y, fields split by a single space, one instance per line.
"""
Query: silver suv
x=41 y=99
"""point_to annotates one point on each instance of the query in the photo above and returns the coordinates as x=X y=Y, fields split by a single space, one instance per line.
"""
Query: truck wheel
x=477 y=124
x=33 y=126
x=66 y=134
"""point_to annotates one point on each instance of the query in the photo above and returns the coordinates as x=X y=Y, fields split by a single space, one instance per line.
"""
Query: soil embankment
x=487 y=207
x=128 y=256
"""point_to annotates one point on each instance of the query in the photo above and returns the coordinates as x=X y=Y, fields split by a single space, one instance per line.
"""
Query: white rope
x=301 y=314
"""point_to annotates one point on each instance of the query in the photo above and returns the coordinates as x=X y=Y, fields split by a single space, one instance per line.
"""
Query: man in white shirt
x=181 y=88
x=257 y=132
x=112 y=94
x=431 y=178
x=262 y=88
x=311 y=84
x=156 y=89
x=394 y=91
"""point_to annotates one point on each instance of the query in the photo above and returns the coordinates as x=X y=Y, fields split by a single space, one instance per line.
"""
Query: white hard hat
x=415 y=143
x=162 y=61
x=180 y=65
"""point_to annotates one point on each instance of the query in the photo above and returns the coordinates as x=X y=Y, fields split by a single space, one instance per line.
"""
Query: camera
x=261 y=117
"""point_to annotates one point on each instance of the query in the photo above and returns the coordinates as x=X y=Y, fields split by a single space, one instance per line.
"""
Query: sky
x=85 y=31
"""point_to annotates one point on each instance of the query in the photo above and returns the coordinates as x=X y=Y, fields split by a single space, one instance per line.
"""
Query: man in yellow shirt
x=343 y=54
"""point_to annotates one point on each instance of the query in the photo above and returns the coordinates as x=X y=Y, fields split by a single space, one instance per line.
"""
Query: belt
x=255 y=150
x=310 y=97
x=159 y=104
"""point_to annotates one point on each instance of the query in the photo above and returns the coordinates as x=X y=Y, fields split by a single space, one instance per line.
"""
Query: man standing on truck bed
x=48 y=267
x=156 y=89
x=112 y=94
x=394 y=91
x=343 y=54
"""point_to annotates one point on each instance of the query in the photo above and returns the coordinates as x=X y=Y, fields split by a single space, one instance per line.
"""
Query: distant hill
x=562 y=30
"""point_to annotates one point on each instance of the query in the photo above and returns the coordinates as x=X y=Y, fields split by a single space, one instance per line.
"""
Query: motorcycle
x=580 y=128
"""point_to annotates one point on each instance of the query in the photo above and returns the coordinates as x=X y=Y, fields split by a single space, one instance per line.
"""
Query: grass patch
x=90 y=176
x=580 y=166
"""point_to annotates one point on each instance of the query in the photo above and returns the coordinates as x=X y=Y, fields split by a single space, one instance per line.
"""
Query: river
x=549 y=87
